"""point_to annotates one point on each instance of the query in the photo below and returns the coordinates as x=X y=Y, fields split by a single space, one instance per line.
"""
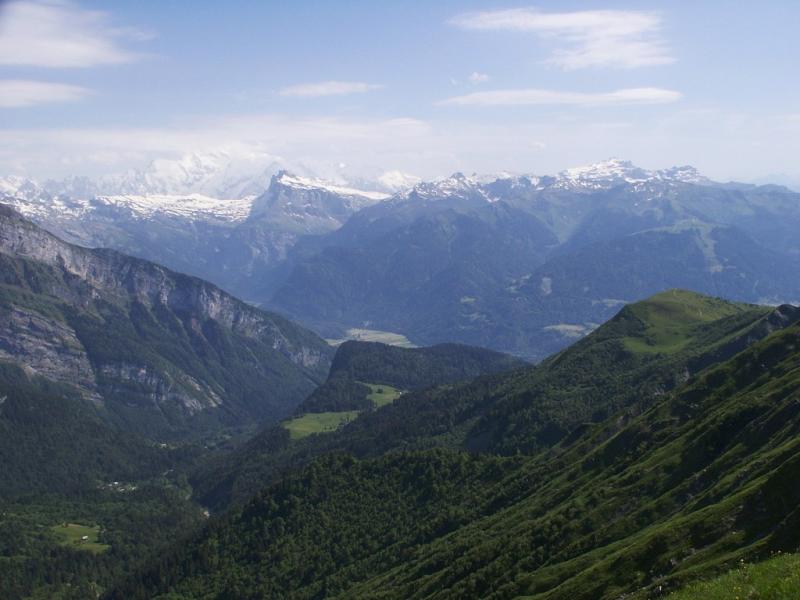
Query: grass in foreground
x=324 y=422
x=774 y=579
x=80 y=537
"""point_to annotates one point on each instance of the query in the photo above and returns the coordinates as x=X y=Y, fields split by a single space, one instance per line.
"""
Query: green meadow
x=82 y=537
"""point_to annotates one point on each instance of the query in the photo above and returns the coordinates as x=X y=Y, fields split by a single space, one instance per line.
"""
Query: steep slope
x=52 y=441
x=526 y=410
x=635 y=505
x=162 y=353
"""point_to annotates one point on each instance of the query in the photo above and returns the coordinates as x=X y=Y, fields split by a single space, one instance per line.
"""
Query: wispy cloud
x=553 y=97
x=60 y=34
x=477 y=78
x=593 y=38
x=328 y=88
x=15 y=93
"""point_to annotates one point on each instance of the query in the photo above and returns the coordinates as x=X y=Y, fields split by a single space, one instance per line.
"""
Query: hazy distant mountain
x=221 y=174
x=499 y=260
x=526 y=264
x=224 y=240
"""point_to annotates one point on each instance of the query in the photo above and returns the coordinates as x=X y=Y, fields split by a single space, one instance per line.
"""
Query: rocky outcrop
x=133 y=335
x=47 y=347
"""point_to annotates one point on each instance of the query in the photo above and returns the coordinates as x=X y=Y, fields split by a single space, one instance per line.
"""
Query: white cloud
x=723 y=146
x=15 y=93
x=553 y=97
x=314 y=140
x=593 y=38
x=477 y=78
x=328 y=88
x=59 y=34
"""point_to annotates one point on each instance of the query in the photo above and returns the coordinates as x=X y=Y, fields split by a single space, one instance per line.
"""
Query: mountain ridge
x=153 y=346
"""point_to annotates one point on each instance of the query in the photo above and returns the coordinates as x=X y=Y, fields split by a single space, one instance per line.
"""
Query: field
x=324 y=422
x=381 y=395
x=374 y=335
x=71 y=534
x=775 y=579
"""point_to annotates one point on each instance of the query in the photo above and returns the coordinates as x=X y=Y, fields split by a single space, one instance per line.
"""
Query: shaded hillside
x=403 y=368
x=164 y=354
x=51 y=440
x=423 y=275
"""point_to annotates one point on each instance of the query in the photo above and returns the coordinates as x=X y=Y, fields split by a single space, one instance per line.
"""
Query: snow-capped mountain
x=23 y=188
x=195 y=207
x=142 y=195
x=490 y=251
x=397 y=181
x=215 y=174
x=35 y=202
x=615 y=172
x=524 y=263
x=307 y=205
x=227 y=188
x=597 y=176
x=457 y=185
x=223 y=239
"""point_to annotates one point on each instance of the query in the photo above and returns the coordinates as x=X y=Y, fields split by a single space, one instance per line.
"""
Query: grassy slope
x=524 y=410
x=648 y=498
x=381 y=395
x=633 y=359
x=72 y=534
x=327 y=421
x=312 y=423
x=775 y=579
x=672 y=319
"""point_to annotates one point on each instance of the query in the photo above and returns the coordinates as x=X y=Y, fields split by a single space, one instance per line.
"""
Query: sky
x=427 y=88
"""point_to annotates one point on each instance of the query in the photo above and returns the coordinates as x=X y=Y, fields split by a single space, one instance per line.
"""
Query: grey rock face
x=129 y=333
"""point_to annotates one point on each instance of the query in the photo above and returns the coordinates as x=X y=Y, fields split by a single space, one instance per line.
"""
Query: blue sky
x=423 y=87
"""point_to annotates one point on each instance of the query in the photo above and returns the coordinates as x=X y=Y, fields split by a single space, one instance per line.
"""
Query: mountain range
x=526 y=265
x=522 y=264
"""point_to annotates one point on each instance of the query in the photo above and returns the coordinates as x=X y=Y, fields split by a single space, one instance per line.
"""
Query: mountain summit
x=615 y=171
